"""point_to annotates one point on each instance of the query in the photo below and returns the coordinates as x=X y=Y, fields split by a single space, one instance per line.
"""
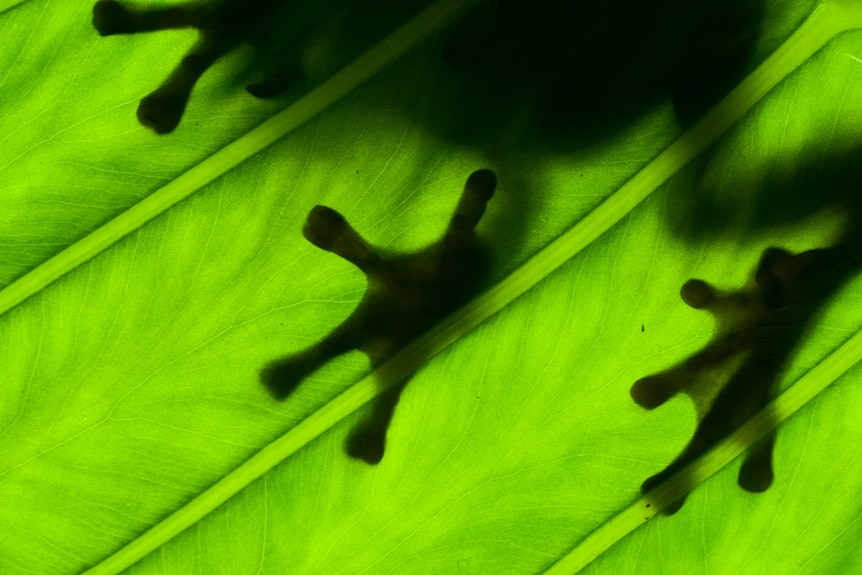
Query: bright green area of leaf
x=133 y=378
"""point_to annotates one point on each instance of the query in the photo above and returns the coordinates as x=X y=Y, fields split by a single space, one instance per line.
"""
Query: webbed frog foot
x=734 y=376
x=223 y=25
x=406 y=295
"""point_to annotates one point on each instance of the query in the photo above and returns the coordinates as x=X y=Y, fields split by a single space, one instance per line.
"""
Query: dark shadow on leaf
x=406 y=295
x=762 y=325
x=569 y=74
x=277 y=31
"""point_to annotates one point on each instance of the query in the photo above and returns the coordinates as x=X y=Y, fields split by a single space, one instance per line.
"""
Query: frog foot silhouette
x=223 y=25
x=406 y=295
x=758 y=329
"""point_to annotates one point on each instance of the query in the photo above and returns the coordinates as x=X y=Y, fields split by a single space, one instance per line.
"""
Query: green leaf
x=147 y=279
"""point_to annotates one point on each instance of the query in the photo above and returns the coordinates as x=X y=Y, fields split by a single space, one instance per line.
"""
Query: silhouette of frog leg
x=368 y=440
x=756 y=475
x=111 y=17
x=284 y=375
x=406 y=295
x=792 y=298
x=748 y=390
x=654 y=390
x=768 y=323
x=478 y=190
x=328 y=230
x=747 y=393
x=458 y=265
x=163 y=109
